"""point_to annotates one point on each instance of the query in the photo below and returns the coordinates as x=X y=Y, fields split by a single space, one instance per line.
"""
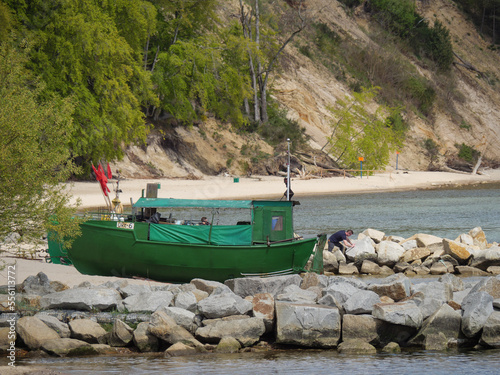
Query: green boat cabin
x=271 y=221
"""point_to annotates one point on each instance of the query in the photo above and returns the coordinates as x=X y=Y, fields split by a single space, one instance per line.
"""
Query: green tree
x=34 y=139
x=362 y=133
x=91 y=51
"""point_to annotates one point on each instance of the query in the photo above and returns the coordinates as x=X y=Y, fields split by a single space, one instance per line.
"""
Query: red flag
x=110 y=175
x=103 y=180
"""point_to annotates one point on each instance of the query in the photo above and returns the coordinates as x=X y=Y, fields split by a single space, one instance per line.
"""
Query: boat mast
x=288 y=172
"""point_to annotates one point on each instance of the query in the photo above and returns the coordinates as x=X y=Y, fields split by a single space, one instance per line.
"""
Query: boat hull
x=108 y=250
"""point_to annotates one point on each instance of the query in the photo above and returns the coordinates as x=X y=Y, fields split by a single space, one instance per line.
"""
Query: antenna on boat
x=288 y=172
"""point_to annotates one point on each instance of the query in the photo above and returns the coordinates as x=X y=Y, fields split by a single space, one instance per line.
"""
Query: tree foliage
x=34 y=138
x=85 y=50
x=360 y=132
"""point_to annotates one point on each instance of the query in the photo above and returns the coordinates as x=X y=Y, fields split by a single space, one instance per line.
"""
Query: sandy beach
x=273 y=187
x=226 y=188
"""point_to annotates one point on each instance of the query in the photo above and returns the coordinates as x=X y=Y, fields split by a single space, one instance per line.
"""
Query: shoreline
x=273 y=187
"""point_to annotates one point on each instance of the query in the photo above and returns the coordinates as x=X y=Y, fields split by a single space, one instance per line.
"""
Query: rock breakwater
x=333 y=311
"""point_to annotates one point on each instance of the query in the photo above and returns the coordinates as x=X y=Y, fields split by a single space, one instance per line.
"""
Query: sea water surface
x=445 y=213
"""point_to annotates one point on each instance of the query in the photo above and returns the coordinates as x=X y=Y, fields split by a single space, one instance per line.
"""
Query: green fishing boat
x=151 y=244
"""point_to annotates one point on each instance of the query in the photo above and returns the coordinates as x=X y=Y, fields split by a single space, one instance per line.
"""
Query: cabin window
x=277 y=223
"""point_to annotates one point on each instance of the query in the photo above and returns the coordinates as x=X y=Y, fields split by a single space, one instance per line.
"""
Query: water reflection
x=286 y=362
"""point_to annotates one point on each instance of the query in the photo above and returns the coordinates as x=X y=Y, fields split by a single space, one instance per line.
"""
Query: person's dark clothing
x=336 y=239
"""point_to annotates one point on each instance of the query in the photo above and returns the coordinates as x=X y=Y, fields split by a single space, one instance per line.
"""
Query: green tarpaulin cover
x=200 y=234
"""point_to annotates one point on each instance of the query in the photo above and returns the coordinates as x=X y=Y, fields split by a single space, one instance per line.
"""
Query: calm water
x=445 y=213
x=289 y=362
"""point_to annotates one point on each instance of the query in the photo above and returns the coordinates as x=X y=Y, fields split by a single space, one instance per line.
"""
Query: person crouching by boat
x=204 y=221
x=341 y=240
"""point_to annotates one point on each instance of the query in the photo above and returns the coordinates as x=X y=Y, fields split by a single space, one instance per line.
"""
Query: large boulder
x=87 y=330
x=307 y=325
x=433 y=295
x=416 y=253
x=490 y=285
x=294 y=293
x=221 y=305
x=246 y=331
x=249 y=286
x=476 y=307
x=401 y=313
x=389 y=253
x=428 y=240
x=491 y=331
x=340 y=291
x=376 y=235
x=65 y=346
x=82 y=299
x=34 y=332
x=165 y=328
x=457 y=250
x=121 y=334
x=263 y=307
x=149 y=301
x=209 y=286
x=363 y=327
x=184 y=318
x=361 y=302
x=186 y=300
x=478 y=237
x=396 y=286
x=52 y=322
x=445 y=321
x=38 y=285
x=486 y=258
x=364 y=249
x=144 y=340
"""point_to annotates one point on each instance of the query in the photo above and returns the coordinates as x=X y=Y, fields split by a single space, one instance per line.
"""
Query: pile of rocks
x=422 y=254
x=247 y=314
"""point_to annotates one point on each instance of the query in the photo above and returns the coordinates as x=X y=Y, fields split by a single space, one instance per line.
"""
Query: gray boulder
x=340 y=291
x=82 y=299
x=165 y=328
x=52 y=322
x=133 y=289
x=491 y=331
x=364 y=249
x=209 y=286
x=433 y=295
x=445 y=321
x=37 y=285
x=294 y=293
x=456 y=282
x=221 y=305
x=401 y=313
x=490 y=285
x=246 y=331
x=182 y=317
x=307 y=325
x=486 y=258
x=228 y=345
x=186 y=301
x=249 y=286
x=477 y=307
x=149 y=301
x=356 y=346
x=361 y=302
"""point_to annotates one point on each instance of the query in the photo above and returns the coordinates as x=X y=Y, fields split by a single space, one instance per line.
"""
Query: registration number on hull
x=125 y=225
